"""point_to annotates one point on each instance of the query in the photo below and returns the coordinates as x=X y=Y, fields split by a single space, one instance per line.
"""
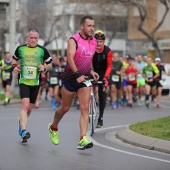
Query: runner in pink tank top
x=80 y=50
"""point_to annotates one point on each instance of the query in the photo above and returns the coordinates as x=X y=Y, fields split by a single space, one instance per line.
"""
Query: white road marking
x=122 y=151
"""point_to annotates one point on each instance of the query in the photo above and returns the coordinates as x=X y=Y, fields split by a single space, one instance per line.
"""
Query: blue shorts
x=72 y=86
x=124 y=83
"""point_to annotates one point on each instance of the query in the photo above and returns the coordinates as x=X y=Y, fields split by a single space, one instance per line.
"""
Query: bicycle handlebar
x=94 y=81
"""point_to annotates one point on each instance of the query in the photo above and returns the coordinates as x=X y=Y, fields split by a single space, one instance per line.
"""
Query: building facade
x=155 y=11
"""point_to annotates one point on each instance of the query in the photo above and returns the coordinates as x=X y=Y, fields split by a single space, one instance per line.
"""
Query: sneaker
x=118 y=105
x=53 y=135
x=19 y=127
x=5 y=103
x=54 y=107
x=139 y=103
x=24 y=136
x=9 y=100
x=114 y=105
x=129 y=104
x=99 y=124
x=158 y=105
x=147 y=103
x=37 y=105
x=84 y=143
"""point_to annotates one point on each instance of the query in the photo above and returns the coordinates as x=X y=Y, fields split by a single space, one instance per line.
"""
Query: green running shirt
x=30 y=58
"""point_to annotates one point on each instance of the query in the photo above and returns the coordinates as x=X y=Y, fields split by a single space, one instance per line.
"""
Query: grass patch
x=16 y=96
x=159 y=128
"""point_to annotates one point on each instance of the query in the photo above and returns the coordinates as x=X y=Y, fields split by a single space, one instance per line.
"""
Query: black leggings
x=102 y=100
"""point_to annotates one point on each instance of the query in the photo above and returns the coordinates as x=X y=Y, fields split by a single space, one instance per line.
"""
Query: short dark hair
x=82 y=21
x=32 y=30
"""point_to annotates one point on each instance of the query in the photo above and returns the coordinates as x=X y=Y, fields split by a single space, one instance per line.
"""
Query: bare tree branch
x=164 y=2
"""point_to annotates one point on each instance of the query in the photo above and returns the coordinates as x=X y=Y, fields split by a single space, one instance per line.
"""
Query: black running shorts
x=30 y=92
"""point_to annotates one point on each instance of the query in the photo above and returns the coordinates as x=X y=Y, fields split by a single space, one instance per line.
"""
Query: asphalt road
x=108 y=153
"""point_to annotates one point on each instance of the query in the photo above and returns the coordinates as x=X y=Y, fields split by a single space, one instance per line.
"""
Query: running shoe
x=54 y=105
x=84 y=143
x=53 y=135
x=99 y=124
x=158 y=105
x=37 y=105
x=114 y=105
x=129 y=104
x=118 y=105
x=139 y=102
x=9 y=100
x=19 y=127
x=5 y=103
x=147 y=103
x=24 y=136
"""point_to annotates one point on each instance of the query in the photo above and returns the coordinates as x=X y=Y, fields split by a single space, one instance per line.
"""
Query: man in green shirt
x=150 y=73
x=6 y=75
x=31 y=57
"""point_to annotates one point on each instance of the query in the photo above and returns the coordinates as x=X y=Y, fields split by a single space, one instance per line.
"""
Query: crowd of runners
x=127 y=80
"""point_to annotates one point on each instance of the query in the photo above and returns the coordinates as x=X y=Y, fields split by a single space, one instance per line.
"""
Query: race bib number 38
x=30 y=72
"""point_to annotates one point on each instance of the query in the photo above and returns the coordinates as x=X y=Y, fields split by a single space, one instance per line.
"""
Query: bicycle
x=93 y=109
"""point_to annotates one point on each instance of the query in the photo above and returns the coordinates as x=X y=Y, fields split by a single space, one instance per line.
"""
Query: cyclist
x=31 y=57
x=53 y=76
x=102 y=64
x=131 y=74
x=150 y=73
x=6 y=75
x=115 y=81
x=140 y=80
x=80 y=50
x=159 y=80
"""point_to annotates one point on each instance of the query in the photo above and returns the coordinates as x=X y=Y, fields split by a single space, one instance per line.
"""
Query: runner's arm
x=71 y=50
x=156 y=71
x=109 y=64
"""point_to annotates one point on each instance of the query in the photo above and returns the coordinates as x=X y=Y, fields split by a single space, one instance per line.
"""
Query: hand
x=16 y=69
x=82 y=79
x=151 y=80
x=106 y=83
x=41 y=67
x=95 y=75
x=118 y=72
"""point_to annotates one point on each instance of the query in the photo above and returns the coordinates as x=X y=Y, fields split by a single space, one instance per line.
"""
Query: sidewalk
x=130 y=137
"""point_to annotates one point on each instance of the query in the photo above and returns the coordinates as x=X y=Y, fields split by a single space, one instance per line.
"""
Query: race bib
x=6 y=75
x=60 y=82
x=87 y=83
x=115 y=78
x=149 y=74
x=131 y=77
x=53 y=80
x=161 y=82
x=30 y=72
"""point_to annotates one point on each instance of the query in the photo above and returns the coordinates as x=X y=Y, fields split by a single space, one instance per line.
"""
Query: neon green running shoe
x=84 y=143
x=53 y=135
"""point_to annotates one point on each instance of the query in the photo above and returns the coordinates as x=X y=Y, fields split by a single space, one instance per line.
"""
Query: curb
x=130 y=137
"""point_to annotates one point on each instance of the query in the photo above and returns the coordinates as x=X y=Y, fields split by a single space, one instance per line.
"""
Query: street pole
x=12 y=36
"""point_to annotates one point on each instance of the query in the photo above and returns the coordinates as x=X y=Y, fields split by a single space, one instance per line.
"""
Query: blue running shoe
x=19 y=127
x=54 y=106
x=113 y=105
x=118 y=105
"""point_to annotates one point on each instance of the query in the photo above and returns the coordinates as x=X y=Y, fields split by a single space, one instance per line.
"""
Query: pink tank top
x=83 y=56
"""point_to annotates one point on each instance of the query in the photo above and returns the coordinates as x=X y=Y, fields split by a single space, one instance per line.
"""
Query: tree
x=144 y=15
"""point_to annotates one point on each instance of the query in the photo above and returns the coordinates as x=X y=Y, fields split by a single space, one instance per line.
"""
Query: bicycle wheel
x=91 y=116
